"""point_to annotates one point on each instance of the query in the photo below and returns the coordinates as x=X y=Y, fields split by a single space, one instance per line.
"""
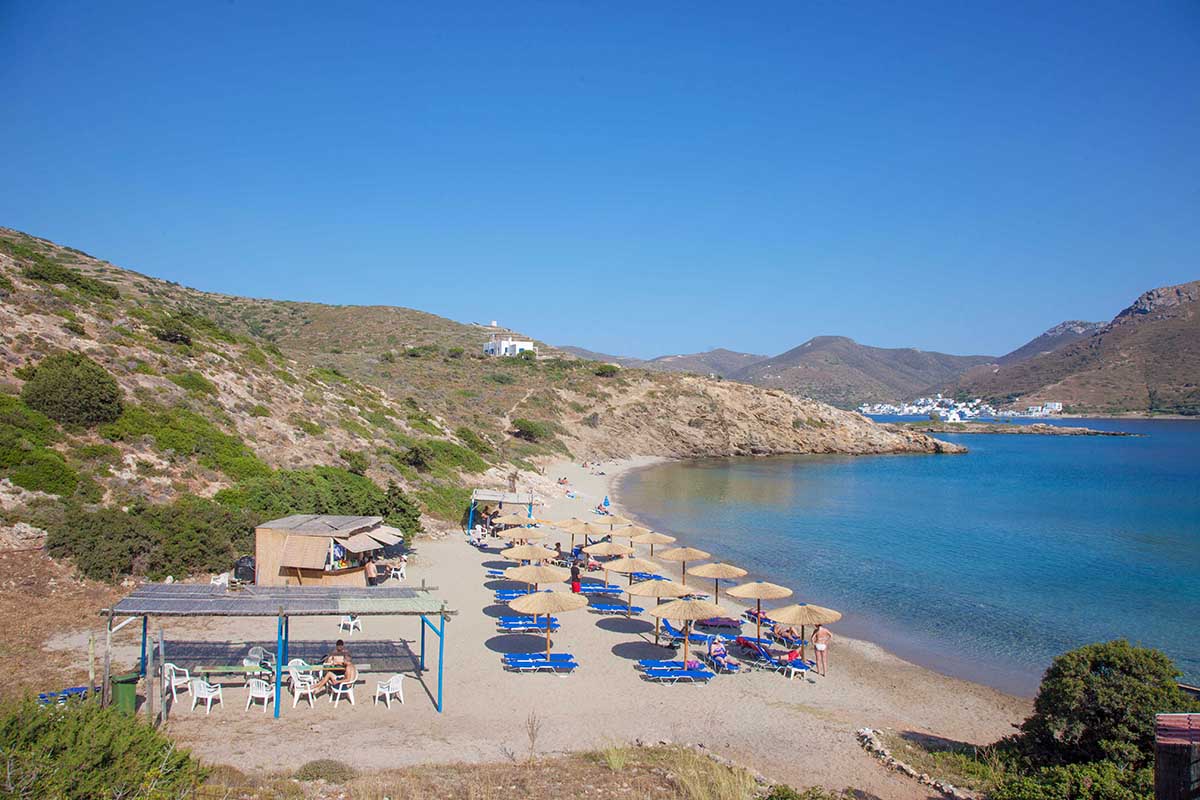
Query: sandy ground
x=799 y=732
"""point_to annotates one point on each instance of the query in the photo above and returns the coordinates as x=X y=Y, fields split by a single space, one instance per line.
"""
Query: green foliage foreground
x=83 y=751
x=74 y=390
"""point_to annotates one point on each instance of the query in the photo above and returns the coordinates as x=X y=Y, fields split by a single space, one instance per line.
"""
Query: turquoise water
x=983 y=566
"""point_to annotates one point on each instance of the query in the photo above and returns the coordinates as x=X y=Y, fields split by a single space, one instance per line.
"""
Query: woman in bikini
x=821 y=637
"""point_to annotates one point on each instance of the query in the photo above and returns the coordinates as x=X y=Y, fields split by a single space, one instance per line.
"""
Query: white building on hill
x=505 y=344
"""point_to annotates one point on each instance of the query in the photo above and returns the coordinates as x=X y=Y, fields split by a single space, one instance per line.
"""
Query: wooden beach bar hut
x=319 y=549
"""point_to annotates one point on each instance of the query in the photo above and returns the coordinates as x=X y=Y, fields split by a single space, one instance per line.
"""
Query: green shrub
x=187 y=434
x=422 y=423
x=309 y=427
x=82 y=751
x=387 y=357
x=327 y=375
x=607 y=370
x=187 y=536
x=7 y=287
x=532 y=430
x=40 y=470
x=444 y=501
x=1096 y=781
x=75 y=326
x=1098 y=702
x=474 y=441
x=326 y=769
x=501 y=378
x=259 y=410
x=73 y=389
x=19 y=423
x=419 y=456
x=321 y=490
x=173 y=332
x=255 y=356
x=193 y=382
x=448 y=455
x=100 y=453
x=40 y=268
x=356 y=461
x=455 y=352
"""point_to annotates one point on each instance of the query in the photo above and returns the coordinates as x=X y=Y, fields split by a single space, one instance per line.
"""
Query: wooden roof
x=305 y=552
x=335 y=525
x=1177 y=729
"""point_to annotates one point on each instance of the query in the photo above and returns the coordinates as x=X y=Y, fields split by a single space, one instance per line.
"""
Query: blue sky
x=637 y=178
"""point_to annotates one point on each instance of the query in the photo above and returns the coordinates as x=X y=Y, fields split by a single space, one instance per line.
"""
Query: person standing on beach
x=575 y=584
x=821 y=638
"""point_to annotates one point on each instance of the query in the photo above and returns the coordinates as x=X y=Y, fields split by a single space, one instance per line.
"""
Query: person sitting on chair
x=339 y=658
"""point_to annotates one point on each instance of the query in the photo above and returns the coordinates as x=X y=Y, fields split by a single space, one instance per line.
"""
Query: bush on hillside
x=532 y=430
x=83 y=751
x=74 y=390
x=187 y=434
x=474 y=441
x=356 y=461
x=6 y=287
x=39 y=470
x=1098 y=781
x=607 y=370
x=326 y=769
x=40 y=268
x=173 y=332
x=187 y=536
x=1098 y=702
x=193 y=382
x=321 y=490
x=419 y=456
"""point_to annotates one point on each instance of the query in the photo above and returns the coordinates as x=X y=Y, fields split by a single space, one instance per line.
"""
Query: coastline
x=616 y=472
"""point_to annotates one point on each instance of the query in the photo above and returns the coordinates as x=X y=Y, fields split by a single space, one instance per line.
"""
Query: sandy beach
x=795 y=731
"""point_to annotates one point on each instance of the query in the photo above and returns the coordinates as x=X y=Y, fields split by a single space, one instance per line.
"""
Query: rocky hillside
x=1060 y=335
x=840 y=371
x=222 y=395
x=720 y=362
x=1146 y=360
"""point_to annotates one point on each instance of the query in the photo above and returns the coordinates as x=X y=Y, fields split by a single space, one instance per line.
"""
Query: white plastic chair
x=258 y=689
x=220 y=580
x=399 y=573
x=203 y=690
x=392 y=686
x=339 y=690
x=302 y=685
x=349 y=623
x=260 y=655
x=176 y=678
x=301 y=666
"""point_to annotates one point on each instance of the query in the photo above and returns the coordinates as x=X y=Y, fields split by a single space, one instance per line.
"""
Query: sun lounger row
x=677 y=675
x=525 y=624
x=674 y=634
x=615 y=608
x=763 y=657
x=539 y=662
x=599 y=588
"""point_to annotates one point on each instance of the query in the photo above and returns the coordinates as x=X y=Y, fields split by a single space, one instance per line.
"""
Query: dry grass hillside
x=221 y=390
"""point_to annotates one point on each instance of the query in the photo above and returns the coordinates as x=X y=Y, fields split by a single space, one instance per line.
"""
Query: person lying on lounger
x=719 y=656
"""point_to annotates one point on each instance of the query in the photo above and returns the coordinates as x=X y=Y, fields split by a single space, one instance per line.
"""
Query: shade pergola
x=657 y=590
x=548 y=603
x=759 y=591
x=283 y=603
x=687 y=612
x=528 y=552
x=718 y=571
x=652 y=538
x=631 y=564
x=804 y=614
x=683 y=555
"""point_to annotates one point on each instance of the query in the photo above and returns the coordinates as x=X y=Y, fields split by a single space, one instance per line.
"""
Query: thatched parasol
x=572 y=526
x=651 y=538
x=759 y=591
x=608 y=549
x=548 y=603
x=631 y=564
x=514 y=519
x=600 y=529
x=528 y=552
x=804 y=614
x=684 y=555
x=718 y=571
x=522 y=534
x=613 y=519
x=688 y=611
x=658 y=590
x=536 y=573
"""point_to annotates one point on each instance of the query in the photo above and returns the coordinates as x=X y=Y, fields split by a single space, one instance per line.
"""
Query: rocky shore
x=1037 y=428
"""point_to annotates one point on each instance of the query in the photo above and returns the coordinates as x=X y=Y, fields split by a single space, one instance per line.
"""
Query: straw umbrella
x=608 y=549
x=601 y=529
x=759 y=591
x=684 y=555
x=657 y=590
x=514 y=519
x=572 y=526
x=651 y=538
x=613 y=519
x=528 y=552
x=548 y=603
x=534 y=574
x=631 y=564
x=718 y=572
x=804 y=614
x=522 y=534
x=687 y=611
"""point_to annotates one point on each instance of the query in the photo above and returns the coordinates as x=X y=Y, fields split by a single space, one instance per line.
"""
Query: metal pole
x=422 y=643
x=471 y=516
x=149 y=674
x=287 y=639
x=91 y=690
x=162 y=684
x=142 y=662
x=442 y=654
x=278 y=652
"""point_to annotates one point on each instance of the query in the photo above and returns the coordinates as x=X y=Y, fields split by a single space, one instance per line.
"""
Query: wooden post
x=105 y=691
x=150 y=666
x=91 y=666
x=162 y=684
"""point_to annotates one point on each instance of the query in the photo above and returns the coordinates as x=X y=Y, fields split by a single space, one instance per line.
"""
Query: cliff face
x=699 y=418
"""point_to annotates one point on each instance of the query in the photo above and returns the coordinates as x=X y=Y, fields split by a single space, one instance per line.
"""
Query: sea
x=984 y=566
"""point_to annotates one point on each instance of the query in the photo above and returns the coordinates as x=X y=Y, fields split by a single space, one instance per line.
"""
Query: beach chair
x=753 y=616
x=790 y=642
x=526 y=625
x=176 y=678
x=258 y=689
x=393 y=686
x=674 y=634
x=302 y=685
x=208 y=692
x=659 y=663
x=675 y=675
x=763 y=657
x=538 y=662
x=721 y=622
x=599 y=588
x=349 y=623
x=339 y=690
x=615 y=609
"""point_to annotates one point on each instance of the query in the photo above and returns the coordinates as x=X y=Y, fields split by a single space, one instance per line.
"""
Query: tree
x=607 y=370
x=74 y=390
x=1098 y=703
x=532 y=430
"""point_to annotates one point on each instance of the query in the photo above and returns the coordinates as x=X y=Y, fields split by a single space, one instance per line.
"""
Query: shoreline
x=619 y=471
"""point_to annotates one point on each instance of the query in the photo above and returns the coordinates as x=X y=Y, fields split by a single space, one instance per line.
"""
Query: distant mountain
x=842 y=372
x=592 y=355
x=721 y=362
x=1146 y=360
x=1060 y=335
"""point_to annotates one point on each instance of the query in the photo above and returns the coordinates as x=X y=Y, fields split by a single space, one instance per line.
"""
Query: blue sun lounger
x=647 y=576
x=675 y=634
x=615 y=608
x=599 y=588
x=675 y=675
x=519 y=625
x=659 y=663
x=537 y=662
x=762 y=657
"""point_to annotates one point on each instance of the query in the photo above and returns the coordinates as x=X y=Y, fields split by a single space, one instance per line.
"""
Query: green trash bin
x=124 y=692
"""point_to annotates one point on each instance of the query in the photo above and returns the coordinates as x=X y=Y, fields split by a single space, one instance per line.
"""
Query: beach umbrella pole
x=758 y=619
x=547 y=641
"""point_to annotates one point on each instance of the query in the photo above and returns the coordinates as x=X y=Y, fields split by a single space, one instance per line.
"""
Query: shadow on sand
x=516 y=643
x=623 y=625
x=636 y=651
